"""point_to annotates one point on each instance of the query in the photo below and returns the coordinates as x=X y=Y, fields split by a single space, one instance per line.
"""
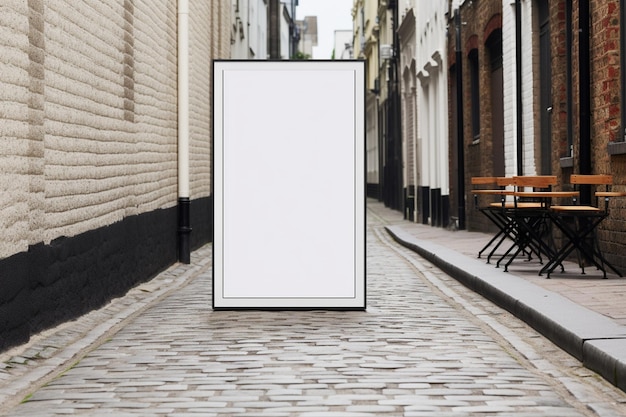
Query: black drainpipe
x=568 y=76
x=396 y=105
x=459 y=120
x=584 y=76
x=184 y=230
x=518 y=82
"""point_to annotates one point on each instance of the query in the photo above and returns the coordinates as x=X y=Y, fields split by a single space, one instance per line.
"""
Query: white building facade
x=343 y=44
x=432 y=161
x=308 y=35
x=527 y=67
x=366 y=34
x=408 y=105
x=249 y=29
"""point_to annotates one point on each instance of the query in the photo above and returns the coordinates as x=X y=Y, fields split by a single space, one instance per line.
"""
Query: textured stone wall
x=18 y=139
x=88 y=150
x=89 y=112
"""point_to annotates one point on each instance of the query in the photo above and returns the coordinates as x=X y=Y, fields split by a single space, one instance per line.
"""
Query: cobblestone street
x=425 y=346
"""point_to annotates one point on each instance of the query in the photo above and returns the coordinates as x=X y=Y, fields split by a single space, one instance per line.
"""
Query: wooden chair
x=481 y=186
x=490 y=186
x=513 y=183
x=579 y=179
x=579 y=224
x=529 y=220
x=483 y=180
x=536 y=182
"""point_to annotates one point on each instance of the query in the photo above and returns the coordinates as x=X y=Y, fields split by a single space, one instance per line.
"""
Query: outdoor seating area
x=527 y=212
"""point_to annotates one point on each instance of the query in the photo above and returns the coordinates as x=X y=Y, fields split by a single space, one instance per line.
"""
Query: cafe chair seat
x=513 y=205
x=576 y=209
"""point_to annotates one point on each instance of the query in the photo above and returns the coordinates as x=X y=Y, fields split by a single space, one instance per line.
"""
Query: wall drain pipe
x=584 y=75
x=184 y=203
x=459 y=119
x=519 y=87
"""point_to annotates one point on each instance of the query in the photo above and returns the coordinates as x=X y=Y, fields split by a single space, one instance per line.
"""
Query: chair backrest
x=591 y=179
x=482 y=183
x=579 y=180
x=505 y=181
x=535 y=181
x=483 y=180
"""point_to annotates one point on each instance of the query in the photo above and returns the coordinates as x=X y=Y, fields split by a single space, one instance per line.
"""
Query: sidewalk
x=585 y=315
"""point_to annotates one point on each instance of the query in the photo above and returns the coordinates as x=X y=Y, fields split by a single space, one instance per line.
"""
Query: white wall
x=249 y=29
x=432 y=95
x=343 y=38
x=284 y=36
x=510 y=89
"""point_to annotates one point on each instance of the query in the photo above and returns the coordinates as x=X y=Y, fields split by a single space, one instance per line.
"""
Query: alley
x=425 y=346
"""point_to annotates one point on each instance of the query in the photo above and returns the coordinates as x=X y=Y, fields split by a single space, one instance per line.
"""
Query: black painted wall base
x=409 y=203
x=433 y=207
x=424 y=207
x=374 y=191
x=445 y=210
x=50 y=284
x=201 y=213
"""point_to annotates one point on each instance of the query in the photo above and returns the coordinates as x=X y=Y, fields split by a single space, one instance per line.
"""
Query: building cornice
x=407 y=25
x=424 y=77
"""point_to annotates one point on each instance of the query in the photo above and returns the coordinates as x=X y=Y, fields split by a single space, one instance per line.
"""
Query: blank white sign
x=289 y=184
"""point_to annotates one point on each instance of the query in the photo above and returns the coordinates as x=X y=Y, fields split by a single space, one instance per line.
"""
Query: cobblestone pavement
x=424 y=347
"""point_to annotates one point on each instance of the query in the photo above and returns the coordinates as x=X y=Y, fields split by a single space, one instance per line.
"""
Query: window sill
x=567 y=162
x=616 y=148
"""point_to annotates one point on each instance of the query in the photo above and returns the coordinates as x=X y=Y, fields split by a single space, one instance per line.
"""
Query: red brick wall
x=480 y=20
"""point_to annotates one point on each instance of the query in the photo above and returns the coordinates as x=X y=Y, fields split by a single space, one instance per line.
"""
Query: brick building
x=481 y=52
x=543 y=93
x=534 y=87
x=91 y=182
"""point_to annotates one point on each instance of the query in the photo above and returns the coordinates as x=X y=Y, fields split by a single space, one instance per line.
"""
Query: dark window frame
x=472 y=58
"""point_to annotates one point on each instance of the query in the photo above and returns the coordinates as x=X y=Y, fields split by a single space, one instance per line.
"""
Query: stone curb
x=595 y=340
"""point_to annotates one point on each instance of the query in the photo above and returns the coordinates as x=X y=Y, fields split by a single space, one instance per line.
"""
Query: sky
x=331 y=15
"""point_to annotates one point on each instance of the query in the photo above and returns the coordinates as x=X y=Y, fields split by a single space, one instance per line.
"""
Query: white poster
x=289 y=184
